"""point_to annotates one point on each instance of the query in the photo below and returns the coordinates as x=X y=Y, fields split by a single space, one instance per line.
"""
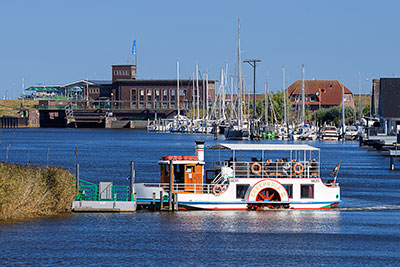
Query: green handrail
x=90 y=191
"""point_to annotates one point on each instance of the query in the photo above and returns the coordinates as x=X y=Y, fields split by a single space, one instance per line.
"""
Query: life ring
x=256 y=172
x=296 y=171
x=214 y=190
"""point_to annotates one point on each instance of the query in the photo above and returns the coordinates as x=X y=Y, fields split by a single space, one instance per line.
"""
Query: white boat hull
x=323 y=196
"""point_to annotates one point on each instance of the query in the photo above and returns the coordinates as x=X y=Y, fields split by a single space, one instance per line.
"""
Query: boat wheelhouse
x=243 y=176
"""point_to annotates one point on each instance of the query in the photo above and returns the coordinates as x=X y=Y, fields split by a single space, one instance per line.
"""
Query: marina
x=263 y=133
x=365 y=219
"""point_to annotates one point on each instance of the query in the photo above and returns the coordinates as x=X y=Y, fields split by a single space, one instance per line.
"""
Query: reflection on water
x=364 y=231
x=261 y=222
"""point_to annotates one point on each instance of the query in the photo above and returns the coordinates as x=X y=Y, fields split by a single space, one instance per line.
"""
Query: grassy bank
x=31 y=191
x=11 y=107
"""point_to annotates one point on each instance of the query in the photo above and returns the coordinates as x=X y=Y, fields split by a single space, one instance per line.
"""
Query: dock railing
x=90 y=191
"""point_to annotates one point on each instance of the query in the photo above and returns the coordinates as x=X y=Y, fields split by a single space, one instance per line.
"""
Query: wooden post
x=161 y=200
x=154 y=201
x=171 y=177
x=132 y=181
x=176 y=201
x=391 y=163
x=77 y=179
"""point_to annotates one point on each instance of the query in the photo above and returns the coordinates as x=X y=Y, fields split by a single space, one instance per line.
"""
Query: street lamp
x=252 y=63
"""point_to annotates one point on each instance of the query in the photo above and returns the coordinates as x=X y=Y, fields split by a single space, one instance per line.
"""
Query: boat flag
x=134 y=47
x=336 y=170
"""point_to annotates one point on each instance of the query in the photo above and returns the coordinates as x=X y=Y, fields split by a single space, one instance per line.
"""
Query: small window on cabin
x=289 y=189
x=179 y=174
x=331 y=85
x=307 y=191
x=241 y=190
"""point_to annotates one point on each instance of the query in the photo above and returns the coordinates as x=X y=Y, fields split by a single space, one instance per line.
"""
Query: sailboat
x=238 y=130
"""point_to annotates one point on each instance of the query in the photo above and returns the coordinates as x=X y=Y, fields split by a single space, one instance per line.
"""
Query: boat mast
x=177 y=87
x=204 y=96
x=343 y=115
x=232 y=104
x=359 y=95
x=220 y=88
x=224 y=93
x=303 y=106
x=266 y=103
x=193 y=98
x=197 y=91
x=207 y=96
x=284 y=95
x=240 y=115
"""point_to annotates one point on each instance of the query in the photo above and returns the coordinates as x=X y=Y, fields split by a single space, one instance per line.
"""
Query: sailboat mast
x=177 y=87
x=197 y=92
x=203 y=96
x=359 y=95
x=220 y=93
x=266 y=103
x=240 y=114
x=207 y=96
x=223 y=99
x=343 y=115
x=193 y=98
x=232 y=105
x=284 y=95
x=303 y=106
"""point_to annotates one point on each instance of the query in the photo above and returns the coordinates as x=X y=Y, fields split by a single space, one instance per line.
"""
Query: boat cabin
x=184 y=173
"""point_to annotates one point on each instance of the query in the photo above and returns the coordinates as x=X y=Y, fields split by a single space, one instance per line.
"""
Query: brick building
x=125 y=91
x=319 y=94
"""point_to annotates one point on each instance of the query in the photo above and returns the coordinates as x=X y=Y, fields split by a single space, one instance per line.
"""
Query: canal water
x=364 y=231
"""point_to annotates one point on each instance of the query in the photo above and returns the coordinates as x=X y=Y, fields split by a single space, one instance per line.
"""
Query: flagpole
x=337 y=172
x=136 y=59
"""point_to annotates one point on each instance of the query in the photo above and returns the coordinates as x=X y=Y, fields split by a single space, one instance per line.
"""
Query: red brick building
x=152 y=95
x=319 y=94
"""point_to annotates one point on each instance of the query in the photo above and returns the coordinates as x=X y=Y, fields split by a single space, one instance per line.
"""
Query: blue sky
x=55 y=42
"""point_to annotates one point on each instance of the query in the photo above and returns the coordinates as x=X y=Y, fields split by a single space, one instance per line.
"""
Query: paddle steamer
x=243 y=177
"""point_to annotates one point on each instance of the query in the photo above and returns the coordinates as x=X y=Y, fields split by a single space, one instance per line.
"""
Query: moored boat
x=251 y=178
x=330 y=133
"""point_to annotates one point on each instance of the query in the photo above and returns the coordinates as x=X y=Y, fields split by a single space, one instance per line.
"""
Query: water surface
x=365 y=231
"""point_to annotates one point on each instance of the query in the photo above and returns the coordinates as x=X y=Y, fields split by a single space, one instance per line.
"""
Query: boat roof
x=264 y=147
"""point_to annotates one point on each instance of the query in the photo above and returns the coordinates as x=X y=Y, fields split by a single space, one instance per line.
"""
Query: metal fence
x=90 y=192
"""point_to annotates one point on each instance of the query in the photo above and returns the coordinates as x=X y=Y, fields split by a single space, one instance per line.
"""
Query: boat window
x=289 y=189
x=179 y=174
x=241 y=190
x=307 y=191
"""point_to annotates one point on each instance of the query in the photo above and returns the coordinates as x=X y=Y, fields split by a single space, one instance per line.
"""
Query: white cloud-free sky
x=55 y=42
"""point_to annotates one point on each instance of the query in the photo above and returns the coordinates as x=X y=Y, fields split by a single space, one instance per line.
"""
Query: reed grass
x=33 y=191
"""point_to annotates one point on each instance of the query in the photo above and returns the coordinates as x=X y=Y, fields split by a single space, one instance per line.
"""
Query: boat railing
x=291 y=169
x=184 y=188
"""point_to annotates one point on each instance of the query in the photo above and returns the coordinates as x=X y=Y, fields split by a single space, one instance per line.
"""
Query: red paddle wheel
x=266 y=194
